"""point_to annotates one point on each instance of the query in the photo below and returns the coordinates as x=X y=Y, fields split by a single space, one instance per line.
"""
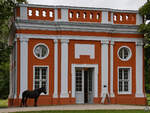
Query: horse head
x=43 y=89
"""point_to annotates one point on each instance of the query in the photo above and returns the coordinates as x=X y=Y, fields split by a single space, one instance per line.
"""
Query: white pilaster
x=64 y=16
x=111 y=68
x=64 y=69
x=139 y=69
x=23 y=13
x=10 y=80
x=104 y=65
x=24 y=65
x=55 y=95
x=105 y=17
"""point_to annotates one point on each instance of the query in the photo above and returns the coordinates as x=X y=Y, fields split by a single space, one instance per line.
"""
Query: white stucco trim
x=95 y=66
x=23 y=65
x=64 y=69
x=23 y=13
x=104 y=67
x=105 y=17
x=55 y=95
x=16 y=77
x=111 y=68
x=85 y=49
x=96 y=38
x=139 y=70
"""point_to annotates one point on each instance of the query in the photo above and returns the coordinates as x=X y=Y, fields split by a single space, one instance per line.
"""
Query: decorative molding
x=24 y=39
x=112 y=42
x=64 y=41
x=55 y=41
x=95 y=79
x=104 y=42
x=139 y=43
x=85 y=49
x=73 y=7
x=95 y=38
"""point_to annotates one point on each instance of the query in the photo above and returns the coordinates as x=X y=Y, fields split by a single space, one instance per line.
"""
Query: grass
x=148 y=98
x=3 y=103
x=90 y=111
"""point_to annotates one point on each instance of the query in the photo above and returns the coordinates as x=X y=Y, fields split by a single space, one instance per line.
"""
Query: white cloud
x=116 y=4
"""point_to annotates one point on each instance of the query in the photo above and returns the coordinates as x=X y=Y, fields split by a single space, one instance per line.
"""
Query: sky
x=115 y=4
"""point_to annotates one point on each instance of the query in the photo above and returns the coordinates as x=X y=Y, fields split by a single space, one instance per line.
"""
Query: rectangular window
x=40 y=77
x=124 y=80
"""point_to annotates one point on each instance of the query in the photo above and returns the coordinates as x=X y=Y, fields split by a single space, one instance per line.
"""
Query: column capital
x=24 y=39
x=64 y=41
x=104 y=42
x=55 y=41
x=139 y=43
x=112 y=43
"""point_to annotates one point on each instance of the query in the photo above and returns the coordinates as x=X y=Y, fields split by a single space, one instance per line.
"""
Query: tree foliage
x=6 y=14
x=145 y=29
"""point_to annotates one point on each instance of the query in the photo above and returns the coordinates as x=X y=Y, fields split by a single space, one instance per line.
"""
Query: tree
x=6 y=14
x=145 y=29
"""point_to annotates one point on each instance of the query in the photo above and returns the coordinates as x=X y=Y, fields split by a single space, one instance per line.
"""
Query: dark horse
x=32 y=94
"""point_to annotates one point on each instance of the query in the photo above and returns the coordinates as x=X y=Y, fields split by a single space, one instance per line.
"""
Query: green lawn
x=3 y=103
x=91 y=111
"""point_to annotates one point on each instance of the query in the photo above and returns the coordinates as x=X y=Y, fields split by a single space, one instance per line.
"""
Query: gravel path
x=72 y=107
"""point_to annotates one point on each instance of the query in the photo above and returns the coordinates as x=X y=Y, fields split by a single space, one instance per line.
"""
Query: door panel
x=79 y=86
x=90 y=86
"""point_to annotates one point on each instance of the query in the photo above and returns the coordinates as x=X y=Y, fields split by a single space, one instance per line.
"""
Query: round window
x=41 y=51
x=124 y=53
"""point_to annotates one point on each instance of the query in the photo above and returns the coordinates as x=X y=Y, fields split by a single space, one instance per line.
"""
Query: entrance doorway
x=84 y=85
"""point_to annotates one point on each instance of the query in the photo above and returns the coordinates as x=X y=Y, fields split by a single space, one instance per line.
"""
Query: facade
x=80 y=54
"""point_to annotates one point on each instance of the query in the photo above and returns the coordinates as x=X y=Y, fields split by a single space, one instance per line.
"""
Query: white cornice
x=66 y=37
x=76 y=26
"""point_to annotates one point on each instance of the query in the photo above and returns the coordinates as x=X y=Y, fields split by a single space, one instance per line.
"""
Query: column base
x=64 y=95
x=139 y=95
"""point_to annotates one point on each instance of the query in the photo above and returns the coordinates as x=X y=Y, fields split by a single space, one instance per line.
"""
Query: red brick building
x=79 y=53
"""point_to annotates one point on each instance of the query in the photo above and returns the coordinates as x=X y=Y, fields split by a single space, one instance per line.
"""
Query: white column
x=55 y=95
x=73 y=81
x=95 y=81
x=23 y=65
x=104 y=65
x=16 y=75
x=64 y=68
x=111 y=68
x=11 y=77
x=139 y=69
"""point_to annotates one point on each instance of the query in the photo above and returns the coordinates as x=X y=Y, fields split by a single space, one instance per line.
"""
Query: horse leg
x=35 y=101
x=22 y=102
x=25 y=101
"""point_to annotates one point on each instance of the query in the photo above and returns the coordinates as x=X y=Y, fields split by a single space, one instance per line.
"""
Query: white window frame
x=45 y=55
x=130 y=81
x=47 y=77
x=129 y=56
